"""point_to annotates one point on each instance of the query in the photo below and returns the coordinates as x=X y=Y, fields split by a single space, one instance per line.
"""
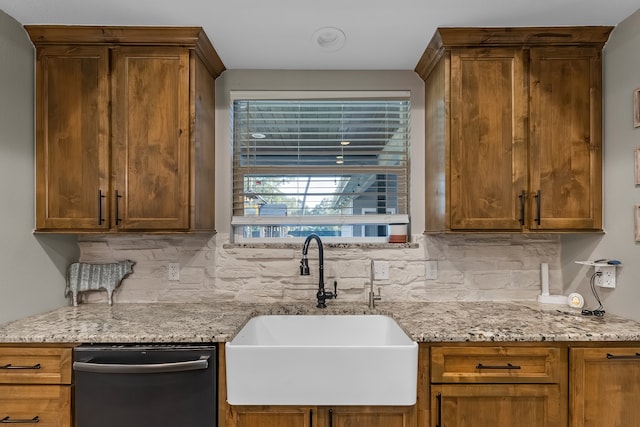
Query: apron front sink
x=322 y=360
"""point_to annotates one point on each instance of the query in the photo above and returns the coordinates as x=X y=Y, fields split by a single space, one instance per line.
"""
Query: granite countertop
x=219 y=322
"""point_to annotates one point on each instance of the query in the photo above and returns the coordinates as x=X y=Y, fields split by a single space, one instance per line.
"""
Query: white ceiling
x=277 y=34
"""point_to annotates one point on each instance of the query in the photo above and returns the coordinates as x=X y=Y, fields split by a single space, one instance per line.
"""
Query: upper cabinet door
x=72 y=138
x=151 y=184
x=488 y=139
x=566 y=138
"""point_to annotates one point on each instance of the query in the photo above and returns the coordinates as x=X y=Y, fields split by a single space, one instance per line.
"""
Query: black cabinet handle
x=507 y=366
x=310 y=417
x=522 y=197
x=118 y=197
x=8 y=420
x=330 y=417
x=10 y=366
x=100 y=197
x=629 y=357
x=439 y=414
x=538 y=203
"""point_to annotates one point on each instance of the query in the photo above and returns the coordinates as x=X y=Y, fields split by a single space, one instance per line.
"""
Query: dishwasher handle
x=152 y=368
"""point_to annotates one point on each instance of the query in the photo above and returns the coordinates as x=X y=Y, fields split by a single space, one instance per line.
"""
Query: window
x=334 y=164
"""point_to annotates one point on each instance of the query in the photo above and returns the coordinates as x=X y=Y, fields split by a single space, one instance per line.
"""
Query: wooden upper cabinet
x=513 y=129
x=72 y=133
x=124 y=129
x=488 y=140
x=566 y=138
x=151 y=137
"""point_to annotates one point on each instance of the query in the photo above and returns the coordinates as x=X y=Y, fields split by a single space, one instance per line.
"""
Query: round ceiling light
x=329 y=38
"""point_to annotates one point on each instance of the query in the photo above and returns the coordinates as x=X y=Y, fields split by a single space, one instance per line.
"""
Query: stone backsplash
x=478 y=267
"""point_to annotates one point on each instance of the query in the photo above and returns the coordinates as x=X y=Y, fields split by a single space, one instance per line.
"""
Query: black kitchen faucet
x=304 y=271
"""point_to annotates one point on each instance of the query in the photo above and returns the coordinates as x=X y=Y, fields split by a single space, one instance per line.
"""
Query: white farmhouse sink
x=321 y=360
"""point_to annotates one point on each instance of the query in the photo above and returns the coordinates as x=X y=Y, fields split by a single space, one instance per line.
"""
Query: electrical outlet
x=607 y=278
x=173 y=271
x=431 y=270
x=381 y=270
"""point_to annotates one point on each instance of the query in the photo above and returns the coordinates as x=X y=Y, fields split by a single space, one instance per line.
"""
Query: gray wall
x=621 y=77
x=31 y=267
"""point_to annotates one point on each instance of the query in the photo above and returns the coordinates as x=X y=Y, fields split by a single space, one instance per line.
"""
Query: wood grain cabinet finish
x=124 y=129
x=605 y=386
x=514 y=129
x=271 y=416
x=313 y=416
x=504 y=364
x=498 y=386
x=35 y=386
x=370 y=416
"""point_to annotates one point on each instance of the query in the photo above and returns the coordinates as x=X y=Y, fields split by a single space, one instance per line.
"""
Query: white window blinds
x=337 y=167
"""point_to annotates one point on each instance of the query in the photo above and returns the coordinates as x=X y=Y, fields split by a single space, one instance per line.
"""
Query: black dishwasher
x=145 y=385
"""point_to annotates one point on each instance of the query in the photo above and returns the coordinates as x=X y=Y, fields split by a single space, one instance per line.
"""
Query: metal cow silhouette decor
x=83 y=277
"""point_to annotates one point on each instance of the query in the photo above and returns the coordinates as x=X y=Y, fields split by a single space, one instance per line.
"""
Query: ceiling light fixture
x=329 y=39
x=258 y=135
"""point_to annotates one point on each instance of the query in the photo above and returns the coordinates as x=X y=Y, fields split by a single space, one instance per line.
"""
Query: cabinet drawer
x=35 y=365
x=502 y=364
x=44 y=405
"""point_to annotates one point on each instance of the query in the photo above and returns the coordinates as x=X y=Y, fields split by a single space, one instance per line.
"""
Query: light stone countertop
x=220 y=321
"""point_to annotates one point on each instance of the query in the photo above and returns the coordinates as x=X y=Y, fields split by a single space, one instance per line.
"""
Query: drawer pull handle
x=538 y=208
x=633 y=357
x=522 y=197
x=10 y=366
x=8 y=420
x=507 y=366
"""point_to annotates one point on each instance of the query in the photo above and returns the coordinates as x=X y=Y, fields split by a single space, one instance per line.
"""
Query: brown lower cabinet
x=507 y=385
x=312 y=416
x=371 y=416
x=496 y=405
x=35 y=385
x=44 y=405
x=605 y=386
x=272 y=416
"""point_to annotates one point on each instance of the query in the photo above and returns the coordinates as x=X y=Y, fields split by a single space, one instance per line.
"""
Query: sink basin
x=321 y=360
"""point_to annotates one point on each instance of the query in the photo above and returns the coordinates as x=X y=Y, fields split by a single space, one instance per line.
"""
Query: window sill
x=407 y=245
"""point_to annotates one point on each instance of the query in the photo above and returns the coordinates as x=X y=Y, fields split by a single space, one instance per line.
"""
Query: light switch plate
x=381 y=270
x=173 y=271
x=431 y=270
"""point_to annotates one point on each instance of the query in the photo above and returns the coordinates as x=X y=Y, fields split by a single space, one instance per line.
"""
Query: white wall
x=31 y=267
x=621 y=76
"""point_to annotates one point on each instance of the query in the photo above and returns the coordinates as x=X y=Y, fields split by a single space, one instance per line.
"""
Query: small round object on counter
x=575 y=300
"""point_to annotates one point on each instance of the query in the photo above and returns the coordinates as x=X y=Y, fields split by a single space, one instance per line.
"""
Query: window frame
x=237 y=222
